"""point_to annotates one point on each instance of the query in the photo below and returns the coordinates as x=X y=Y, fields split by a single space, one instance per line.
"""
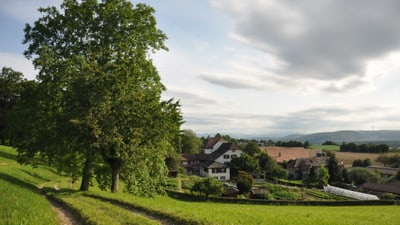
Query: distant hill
x=390 y=137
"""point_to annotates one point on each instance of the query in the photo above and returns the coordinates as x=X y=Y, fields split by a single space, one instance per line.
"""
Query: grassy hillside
x=22 y=203
x=20 y=199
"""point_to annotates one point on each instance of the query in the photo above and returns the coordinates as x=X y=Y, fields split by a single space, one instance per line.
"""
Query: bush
x=388 y=196
x=363 y=175
x=244 y=186
x=207 y=187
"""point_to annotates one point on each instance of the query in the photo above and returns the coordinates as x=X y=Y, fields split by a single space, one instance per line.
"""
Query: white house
x=215 y=169
x=214 y=160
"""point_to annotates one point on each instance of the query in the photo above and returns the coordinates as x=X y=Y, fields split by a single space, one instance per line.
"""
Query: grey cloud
x=324 y=40
x=190 y=98
x=229 y=82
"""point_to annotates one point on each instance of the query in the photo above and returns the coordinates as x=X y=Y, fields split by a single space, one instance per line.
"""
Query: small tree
x=323 y=176
x=252 y=148
x=243 y=185
x=207 y=187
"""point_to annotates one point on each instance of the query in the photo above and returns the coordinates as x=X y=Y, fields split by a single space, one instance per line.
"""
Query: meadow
x=22 y=203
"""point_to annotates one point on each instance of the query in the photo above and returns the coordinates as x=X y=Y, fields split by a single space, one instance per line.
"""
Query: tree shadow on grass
x=33 y=174
x=18 y=182
x=8 y=155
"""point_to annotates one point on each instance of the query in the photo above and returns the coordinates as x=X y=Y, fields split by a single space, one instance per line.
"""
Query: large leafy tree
x=102 y=92
x=10 y=92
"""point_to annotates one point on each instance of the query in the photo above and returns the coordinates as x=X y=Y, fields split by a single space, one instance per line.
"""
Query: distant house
x=304 y=168
x=284 y=154
x=213 y=161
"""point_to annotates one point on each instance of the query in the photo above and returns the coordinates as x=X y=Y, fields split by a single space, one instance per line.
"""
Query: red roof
x=281 y=154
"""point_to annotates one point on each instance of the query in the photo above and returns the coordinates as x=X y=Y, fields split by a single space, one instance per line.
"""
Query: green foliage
x=271 y=168
x=244 y=163
x=389 y=160
x=363 y=175
x=323 y=176
x=244 y=182
x=100 y=94
x=367 y=148
x=190 y=142
x=187 y=183
x=361 y=163
x=335 y=173
x=286 y=195
x=252 y=148
x=329 y=143
x=208 y=186
x=11 y=88
x=243 y=185
x=292 y=144
x=278 y=192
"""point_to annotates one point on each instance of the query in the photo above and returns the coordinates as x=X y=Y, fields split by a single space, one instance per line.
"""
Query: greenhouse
x=348 y=193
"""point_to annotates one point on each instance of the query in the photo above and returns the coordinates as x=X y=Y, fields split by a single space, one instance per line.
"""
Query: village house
x=213 y=161
x=304 y=168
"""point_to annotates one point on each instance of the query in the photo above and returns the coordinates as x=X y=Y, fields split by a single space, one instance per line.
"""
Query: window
x=226 y=156
x=222 y=178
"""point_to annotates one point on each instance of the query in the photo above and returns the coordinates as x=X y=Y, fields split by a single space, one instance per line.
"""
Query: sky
x=268 y=68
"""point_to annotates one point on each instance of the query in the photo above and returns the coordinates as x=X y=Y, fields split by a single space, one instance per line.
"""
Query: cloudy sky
x=259 y=67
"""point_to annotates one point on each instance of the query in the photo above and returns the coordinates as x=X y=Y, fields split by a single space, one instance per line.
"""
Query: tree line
x=364 y=148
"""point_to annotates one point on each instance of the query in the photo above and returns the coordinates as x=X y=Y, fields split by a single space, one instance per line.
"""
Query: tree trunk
x=87 y=174
x=115 y=165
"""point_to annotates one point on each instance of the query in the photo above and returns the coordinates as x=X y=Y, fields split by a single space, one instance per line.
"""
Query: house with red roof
x=285 y=154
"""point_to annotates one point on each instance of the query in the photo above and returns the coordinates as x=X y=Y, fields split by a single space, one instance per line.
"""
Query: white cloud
x=18 y=63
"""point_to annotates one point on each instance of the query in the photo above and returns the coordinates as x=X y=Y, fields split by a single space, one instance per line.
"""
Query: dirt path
x=65 y=215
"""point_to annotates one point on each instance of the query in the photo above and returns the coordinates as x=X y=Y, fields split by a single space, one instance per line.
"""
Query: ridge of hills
x=389 y=137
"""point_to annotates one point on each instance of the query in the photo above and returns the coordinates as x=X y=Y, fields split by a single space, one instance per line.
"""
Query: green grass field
x=22 y=203
x=326 y=147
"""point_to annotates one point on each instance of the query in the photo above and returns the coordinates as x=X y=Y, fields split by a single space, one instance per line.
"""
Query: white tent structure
x=348 y=193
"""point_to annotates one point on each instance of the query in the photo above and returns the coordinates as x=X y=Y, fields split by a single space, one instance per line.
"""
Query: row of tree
x=95 y=109
x=365 y=148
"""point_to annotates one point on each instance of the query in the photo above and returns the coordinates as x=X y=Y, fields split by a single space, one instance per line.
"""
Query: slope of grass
x=219 y=213
x=20 y=200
